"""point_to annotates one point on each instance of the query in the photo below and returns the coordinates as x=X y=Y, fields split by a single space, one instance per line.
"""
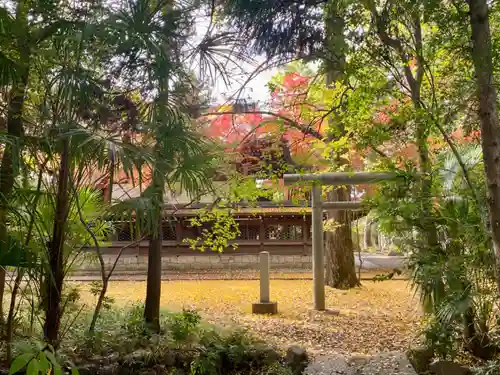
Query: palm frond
x=471 y=156
x=217 y=51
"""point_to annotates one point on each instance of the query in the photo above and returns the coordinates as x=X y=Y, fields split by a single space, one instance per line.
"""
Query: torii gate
x=317 y=181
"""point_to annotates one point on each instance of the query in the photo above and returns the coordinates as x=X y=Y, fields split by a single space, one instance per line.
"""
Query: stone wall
x=138 y=263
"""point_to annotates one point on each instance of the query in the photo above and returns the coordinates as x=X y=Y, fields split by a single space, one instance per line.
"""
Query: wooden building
x=282 y=229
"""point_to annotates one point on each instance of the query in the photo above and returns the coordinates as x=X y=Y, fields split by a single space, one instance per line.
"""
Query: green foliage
x=134 y=323
x=489 y=368
x=184 y=324
x=444 y=339
x=39 y=360
x=454 y=275
x=95 y=290
x=278 y=369
x=14 y=253
x=387 y=276
x=218 y=228
x=235 y=352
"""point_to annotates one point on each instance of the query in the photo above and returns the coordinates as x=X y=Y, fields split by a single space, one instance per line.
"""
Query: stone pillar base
x=265 y=308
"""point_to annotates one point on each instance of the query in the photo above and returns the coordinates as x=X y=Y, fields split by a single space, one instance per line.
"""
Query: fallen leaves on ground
x=373 y=318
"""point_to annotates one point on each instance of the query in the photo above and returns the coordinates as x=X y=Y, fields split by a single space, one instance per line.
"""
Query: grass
x=376 y=317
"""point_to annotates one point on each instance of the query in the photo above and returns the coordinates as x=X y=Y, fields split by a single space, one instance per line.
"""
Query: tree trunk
x=55 y=277
x=7 y=170
x=112 y=167
x=490 y=125
x=98 y=306
x=340 y=269
x=153 y=289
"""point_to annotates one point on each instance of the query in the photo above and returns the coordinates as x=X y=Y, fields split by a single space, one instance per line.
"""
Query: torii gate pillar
x=317 y=180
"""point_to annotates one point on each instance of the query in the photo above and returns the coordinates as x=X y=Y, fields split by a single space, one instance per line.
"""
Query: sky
x=255 y=89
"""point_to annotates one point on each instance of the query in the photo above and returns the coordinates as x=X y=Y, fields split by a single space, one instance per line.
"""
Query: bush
x=122 y=339
x=183 y=325
x=237 y=351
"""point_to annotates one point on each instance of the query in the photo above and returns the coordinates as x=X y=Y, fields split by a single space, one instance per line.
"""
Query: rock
x=448 y=368
x=358 y=360
x=332 y=312
x=183 y=358
x=269 y=355
x=108 y=370
x=390 y=363
x=394 y=253
x=420 y=358
x=88 y=369
x=329 y=365
x=137 y=358
x=160 y=369
x=169 y=358
x=297 y=359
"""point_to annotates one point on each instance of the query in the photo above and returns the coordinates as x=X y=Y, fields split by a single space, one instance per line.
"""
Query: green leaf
x=33 y=367
x=14 y=253
x=43 y=362
x=57 y=369
x=20 y=363
x=52 y=358
x=74 y=371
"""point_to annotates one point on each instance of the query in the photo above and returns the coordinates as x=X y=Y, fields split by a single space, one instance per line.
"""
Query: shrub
x=236 y=351
x=184 y=324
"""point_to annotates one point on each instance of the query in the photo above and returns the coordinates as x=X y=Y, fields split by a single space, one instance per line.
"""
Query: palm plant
x=96 y=75
x=455 y=280
x=154 y=35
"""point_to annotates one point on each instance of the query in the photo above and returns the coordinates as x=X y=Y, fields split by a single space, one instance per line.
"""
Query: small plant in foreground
x=490 y=368
x=38 y=362
x=278 y=369
x=184 y=324
x=237 y=351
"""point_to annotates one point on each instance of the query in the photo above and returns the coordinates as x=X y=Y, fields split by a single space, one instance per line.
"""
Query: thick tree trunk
x=55 y=277
x=490 y=125
x=340 y=269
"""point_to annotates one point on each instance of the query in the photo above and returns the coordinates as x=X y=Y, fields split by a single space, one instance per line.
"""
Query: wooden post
x=262 y=233
x=318 y=249
x=178 y=231
x=305 y=235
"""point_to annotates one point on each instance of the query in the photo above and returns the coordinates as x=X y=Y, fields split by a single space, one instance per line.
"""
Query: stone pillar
x=264 y=306
x=264 y=277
